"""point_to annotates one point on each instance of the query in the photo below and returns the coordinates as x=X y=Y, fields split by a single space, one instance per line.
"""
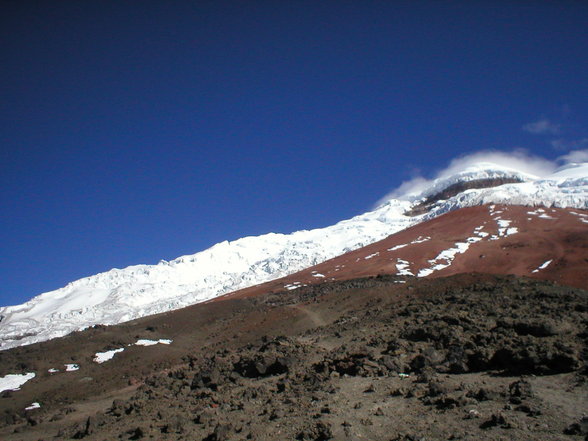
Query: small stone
x=370 y=389
x=472 y=413
x=579 y=428
x=496 y=420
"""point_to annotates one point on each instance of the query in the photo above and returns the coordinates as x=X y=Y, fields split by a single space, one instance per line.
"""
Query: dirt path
x=316 y=319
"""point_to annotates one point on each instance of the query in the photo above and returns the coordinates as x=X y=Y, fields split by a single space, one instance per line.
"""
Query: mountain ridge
x=120 y=295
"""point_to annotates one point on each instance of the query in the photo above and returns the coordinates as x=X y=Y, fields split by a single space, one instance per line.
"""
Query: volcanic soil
x=538 y=242
x=466 y=357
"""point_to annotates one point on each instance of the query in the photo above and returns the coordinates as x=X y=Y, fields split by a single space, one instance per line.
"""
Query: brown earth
x=465 y=357
x=561 y=236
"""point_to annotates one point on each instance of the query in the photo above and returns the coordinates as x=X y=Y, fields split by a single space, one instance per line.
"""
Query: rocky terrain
x=465 y=357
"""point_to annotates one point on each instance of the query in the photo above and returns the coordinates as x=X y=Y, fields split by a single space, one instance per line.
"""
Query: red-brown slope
x=499 y=240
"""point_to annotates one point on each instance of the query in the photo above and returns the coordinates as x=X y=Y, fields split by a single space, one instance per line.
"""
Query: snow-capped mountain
x=120 y=295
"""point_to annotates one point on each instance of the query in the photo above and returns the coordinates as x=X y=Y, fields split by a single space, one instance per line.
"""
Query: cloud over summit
x=575 y=156
x=519 y=160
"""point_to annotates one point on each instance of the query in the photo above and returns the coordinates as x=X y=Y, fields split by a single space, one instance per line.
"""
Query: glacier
x=121 y=295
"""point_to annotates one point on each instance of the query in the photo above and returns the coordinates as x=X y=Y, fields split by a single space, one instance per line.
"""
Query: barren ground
x=466 y=357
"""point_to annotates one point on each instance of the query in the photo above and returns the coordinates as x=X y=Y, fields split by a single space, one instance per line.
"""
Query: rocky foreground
x=470 y=357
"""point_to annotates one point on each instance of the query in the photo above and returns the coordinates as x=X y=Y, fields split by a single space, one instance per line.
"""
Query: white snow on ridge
x=121 y=295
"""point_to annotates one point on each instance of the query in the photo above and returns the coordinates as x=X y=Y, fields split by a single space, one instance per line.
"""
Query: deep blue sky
x=133 y=131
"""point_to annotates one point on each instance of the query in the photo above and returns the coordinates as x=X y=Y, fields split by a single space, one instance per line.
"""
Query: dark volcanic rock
x=319 y=432
x=262 y=365
x=579 y=428
x=462 y=358
x=534 y=358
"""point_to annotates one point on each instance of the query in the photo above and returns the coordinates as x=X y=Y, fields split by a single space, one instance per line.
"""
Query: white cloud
x=411 y=187
x=575 y=156
x=542 y=127
x=562 y=144
x=519 y=160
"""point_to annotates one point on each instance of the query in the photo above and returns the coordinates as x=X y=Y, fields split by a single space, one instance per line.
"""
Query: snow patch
x=372 y=255
x=403 y=268
x=293 y=285
x=33 y=406
x=14 y=381
x=145 y=342
x=483 y=234
x=504 y=229
x=72 y=367
x=538 y=212
x=101 y=357
x=579 y=214
x=418 y=240
x=444 y=259
x=542 y=266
